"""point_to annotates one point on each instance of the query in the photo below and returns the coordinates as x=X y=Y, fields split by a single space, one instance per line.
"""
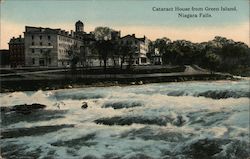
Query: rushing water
x=163 y=120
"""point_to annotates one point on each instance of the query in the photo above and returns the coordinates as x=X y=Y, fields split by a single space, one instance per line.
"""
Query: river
x=161 y=120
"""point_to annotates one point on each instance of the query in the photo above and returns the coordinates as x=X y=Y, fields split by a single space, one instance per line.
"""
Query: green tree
x=212 y=61
x=105 y=50
x=73 y=53
x=124 y=52
x=103 y=33
x=162 y=45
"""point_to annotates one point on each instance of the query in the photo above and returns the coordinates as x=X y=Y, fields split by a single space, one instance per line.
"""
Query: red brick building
x=16 y=49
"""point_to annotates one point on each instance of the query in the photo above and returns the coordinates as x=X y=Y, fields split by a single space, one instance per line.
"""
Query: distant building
x=17 y=52
x=79 y=27
x=141 y=48
x=4 y=58
x=156 y=57
x=50 y=47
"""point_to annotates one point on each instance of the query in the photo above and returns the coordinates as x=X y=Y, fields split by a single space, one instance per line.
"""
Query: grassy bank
x=76 y=82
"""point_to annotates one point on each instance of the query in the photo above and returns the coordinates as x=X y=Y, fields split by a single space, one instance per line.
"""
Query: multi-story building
x=17 y=52
x=156 y=57
x=141 y=48
x=51 y=47
x=56 y=48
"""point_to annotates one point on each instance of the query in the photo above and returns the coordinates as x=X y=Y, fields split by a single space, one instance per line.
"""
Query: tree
x=212 y=61
x=131 y=53
x=162 y=45
x=105 y=45
x=103 y=33
x=73 y=54
x=104 y=48
x=124 y=52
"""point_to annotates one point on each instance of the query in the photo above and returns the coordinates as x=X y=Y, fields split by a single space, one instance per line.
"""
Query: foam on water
x=165 y=120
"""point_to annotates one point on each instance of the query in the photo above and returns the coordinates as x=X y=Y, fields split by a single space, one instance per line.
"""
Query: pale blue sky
x=121 y=14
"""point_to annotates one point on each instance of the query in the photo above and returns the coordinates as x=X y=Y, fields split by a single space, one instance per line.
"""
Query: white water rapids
x=163 y=120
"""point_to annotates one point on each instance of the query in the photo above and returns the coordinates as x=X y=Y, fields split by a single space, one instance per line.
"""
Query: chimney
x=20 y=36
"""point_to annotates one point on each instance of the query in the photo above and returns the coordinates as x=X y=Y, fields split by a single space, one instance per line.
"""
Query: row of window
x=42 y=61
x=62 y=51
x=41 y=51
x=64 y=45
x=17 y=46
x=17 y=51
x=17 y=56
x=129 y=42
x=41 y=43
x=62 y=38
x=40 y=37
x=66 y=62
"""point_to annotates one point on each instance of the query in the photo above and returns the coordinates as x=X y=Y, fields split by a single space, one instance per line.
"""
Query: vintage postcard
x=124 y=79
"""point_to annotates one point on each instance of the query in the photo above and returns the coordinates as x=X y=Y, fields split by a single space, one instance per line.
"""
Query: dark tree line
x=219 y=54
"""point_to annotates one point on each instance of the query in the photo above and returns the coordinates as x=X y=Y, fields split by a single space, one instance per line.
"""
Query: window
x=41 y=37
x=41 y=43
x=32 y=37
x=41 y=62
x=41 y=51
x=48 y=37
x=33 y=50
x=32 y=43
x=33 y=61
x=49 y=44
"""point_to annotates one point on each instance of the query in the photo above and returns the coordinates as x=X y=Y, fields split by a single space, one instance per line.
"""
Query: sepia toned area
x=129 y=80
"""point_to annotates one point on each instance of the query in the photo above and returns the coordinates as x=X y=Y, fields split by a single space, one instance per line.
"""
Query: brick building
x=16 y=50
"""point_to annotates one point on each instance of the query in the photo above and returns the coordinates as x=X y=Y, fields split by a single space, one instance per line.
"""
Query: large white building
x=50 y=47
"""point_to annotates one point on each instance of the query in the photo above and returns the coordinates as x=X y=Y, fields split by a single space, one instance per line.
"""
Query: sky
x=129 y=16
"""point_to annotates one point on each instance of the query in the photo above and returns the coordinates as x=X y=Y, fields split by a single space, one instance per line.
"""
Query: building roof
x=79 y=22
x=133 y=36
x=18 y=40
x=41 y=30
x=31 y=29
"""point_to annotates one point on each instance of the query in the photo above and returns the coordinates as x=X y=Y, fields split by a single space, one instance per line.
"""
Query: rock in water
x=132 y=83
x=84 y=105
x=179 y=121
x=140 y=83
x=24 y=108
x=27 y=109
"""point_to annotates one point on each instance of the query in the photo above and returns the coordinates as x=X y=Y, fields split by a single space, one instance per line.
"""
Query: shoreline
x=13 y=85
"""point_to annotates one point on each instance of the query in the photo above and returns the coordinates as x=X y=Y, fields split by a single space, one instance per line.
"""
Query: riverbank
x=33 y=84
